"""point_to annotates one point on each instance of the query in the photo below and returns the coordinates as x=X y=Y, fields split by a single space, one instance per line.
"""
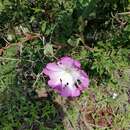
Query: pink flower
x=66 y=77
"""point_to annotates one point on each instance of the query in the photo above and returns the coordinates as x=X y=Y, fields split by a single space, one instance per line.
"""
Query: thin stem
x=124 y=13
x=14 y=59
x=38 y=76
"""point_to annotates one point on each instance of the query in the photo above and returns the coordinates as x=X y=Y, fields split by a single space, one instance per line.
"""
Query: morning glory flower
x=66 y=77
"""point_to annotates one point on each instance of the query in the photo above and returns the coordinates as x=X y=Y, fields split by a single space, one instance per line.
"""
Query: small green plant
x=36 y=32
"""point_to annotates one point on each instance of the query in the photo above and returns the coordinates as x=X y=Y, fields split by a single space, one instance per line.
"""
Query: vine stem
x=124 y=13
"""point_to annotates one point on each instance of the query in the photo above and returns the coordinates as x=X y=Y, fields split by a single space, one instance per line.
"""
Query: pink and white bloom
x=66 y=77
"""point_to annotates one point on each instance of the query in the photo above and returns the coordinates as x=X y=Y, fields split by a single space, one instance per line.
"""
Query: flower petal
x=55 y=75
x=70 y=62
x=67 y=92
x=53 y=67
x=77 y=63
x=84 y=80
x=84 y=83
x=55 y=85
x=66 y=61
x=45 y=71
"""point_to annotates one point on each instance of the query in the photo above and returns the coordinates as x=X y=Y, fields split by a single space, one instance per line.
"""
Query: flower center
x=66 y=78
x=69 y=78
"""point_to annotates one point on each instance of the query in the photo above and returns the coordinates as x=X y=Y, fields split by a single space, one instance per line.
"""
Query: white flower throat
x=68 y=76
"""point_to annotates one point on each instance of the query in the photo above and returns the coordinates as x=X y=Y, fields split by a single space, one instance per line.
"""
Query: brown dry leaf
x=104 y=115
x=41 y=93
x=1 y=52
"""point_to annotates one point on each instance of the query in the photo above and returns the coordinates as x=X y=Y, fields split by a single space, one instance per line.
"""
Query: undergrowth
x=33 y=33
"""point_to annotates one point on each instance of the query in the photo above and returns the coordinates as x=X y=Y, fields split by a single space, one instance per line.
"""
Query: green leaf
x=44 y=24
x=48 y=49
